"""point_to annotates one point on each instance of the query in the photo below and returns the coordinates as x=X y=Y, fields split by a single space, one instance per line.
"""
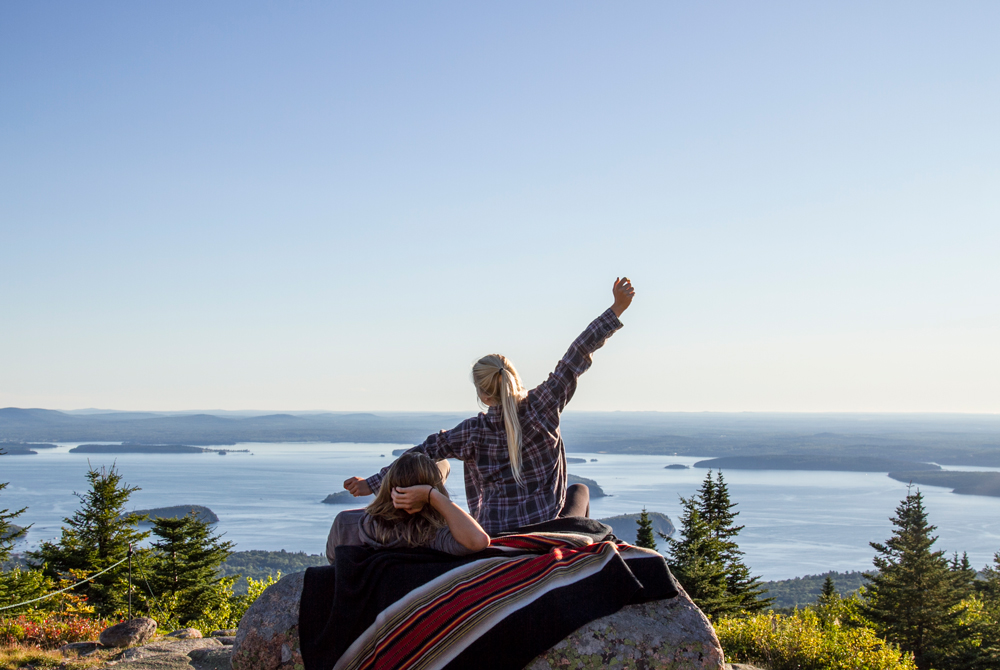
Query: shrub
x=801 y=641
x=50 y=631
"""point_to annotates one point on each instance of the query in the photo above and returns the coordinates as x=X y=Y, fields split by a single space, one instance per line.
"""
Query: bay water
x=796 y=522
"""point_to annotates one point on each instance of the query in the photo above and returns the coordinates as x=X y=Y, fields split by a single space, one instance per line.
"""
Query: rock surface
x=80 y=648
x=186 y=634
x=129 y=633
x=268 y=635
x=662 y=635
x=174 y=654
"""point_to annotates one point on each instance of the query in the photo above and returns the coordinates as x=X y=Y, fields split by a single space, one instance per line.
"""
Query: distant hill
x=965 y=483
x=626 y=526
x=178 y=511
x=919 y=438
x=813 y=462
x=802 y=591
x=260 y=564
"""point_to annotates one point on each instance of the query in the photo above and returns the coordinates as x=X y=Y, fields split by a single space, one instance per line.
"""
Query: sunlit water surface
x=797 y=522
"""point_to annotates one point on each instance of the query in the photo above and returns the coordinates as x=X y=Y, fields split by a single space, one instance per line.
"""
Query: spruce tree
x=644 y=536
x=15 y=585
x=829 y=593
x=988 y=589
x=696 y=561
x=184 y=566
x=912 y=598
x=719 y=512
x=9 y=533
x=963 y=574
x=96 y=537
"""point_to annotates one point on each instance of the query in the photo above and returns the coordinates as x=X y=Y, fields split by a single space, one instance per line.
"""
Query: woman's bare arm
x=463 y=527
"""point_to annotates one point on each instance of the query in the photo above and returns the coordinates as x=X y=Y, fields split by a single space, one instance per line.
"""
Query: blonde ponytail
x=498 y=383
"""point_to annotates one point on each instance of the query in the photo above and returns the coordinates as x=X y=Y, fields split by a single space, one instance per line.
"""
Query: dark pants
x=577 y=501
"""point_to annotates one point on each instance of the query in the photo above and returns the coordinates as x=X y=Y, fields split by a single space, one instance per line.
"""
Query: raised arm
x=556 y=391
x=439 y=446
x=463 y=527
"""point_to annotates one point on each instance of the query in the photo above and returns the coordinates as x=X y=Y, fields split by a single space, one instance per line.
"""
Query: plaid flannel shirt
x=495 y=499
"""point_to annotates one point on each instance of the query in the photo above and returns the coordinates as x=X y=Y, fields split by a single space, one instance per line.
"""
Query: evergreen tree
x=988 y=589
x=826 y=604
x=696 y=561
x=644 y=536
x=963 y=574
x=16 y=585
x=719 y=512
x=184 y=567
x=96 y=537
x=9 y=533
x=912 y=598
x=829 y=593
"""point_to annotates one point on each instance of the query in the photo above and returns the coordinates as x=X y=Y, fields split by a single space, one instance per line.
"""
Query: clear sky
x=318 y=205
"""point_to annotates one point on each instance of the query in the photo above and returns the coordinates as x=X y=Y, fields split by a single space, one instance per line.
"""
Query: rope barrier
x=55 y=593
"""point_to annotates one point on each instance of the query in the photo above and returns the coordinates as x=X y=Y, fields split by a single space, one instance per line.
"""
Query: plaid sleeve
x=452 y=443
x=556 y=391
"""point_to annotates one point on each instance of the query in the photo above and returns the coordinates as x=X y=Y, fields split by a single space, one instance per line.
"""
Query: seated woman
x=412 y=509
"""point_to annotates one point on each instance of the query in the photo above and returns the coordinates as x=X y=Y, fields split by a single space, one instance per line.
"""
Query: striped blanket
x=423 y=610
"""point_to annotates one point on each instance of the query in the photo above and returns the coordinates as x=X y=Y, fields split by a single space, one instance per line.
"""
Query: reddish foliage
x=50 y=631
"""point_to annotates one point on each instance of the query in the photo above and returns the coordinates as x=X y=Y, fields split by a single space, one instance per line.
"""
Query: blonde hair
x=390 y=525
x=498 y=383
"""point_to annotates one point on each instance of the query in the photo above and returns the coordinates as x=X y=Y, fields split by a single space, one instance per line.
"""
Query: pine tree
x=16 y=585
x=644 y=536
x=912 y=599
x=718 y=511
x=987 y=654
x=96 y=537
x=696 y=561
x=184 y=566
x=829 y=593
x=9 y=533
x=963 y=575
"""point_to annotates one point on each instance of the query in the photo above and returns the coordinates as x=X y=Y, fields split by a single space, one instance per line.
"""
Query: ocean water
x=796 y=522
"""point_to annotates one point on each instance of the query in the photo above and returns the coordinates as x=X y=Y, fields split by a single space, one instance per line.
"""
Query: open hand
x=358 y=487
x=623 y=293
x=411 y=499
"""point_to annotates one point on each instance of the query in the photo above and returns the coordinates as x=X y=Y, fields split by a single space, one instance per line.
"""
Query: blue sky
x=342 y=205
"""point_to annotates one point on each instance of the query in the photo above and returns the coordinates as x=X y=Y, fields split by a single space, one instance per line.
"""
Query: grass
x=29 y=658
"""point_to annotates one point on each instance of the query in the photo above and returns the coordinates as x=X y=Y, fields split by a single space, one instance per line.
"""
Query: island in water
x=137 y=448
x=347 y=498
x=23 y=448
x=814 y=462
x=676 y=466
x=962 y=482
x=178 y=511
x=625 y=526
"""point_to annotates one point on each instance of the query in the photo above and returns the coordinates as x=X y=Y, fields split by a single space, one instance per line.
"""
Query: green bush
x=801 y=641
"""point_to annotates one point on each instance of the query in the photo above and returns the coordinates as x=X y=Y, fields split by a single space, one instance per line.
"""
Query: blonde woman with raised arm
x=515 y=461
